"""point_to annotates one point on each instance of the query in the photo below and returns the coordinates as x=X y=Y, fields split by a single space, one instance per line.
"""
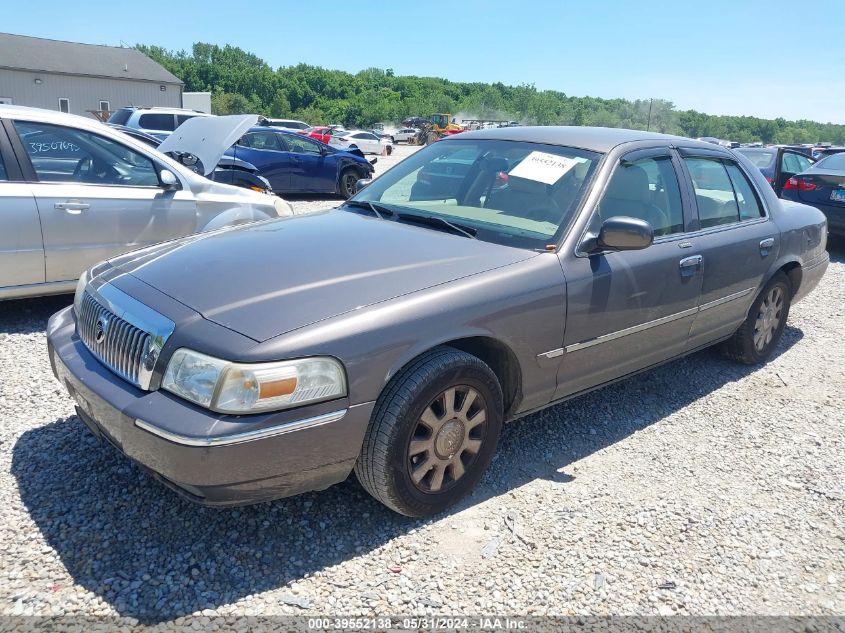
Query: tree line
x=241 y=82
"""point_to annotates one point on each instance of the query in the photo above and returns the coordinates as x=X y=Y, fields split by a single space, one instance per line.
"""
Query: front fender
x=234 y=216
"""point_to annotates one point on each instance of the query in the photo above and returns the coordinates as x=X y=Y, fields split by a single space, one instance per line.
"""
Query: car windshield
x=760 y=158
x=512 y=193
x=835 y=162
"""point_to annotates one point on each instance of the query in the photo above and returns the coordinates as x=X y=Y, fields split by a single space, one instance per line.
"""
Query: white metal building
x=80 y=78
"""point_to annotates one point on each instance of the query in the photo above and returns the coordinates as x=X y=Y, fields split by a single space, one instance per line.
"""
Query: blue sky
x=756 y=57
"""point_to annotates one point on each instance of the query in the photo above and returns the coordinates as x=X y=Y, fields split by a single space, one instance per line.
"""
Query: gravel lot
x=702 y=487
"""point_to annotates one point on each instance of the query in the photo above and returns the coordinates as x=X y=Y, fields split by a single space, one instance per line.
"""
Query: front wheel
x=433 y=433
x=759 y=334
x=347 y=183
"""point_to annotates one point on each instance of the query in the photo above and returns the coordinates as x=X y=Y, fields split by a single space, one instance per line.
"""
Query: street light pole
x=648 y=125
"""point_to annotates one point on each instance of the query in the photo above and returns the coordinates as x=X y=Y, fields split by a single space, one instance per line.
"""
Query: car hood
x=268 y=278
x=207 y=137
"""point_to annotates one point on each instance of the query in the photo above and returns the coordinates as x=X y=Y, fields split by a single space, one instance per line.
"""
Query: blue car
x=294 y=163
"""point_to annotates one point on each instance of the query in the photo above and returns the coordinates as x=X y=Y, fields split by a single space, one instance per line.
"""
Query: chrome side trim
x=650 y=324
x=631 y=330
x=718 y=302
x=554 y=353
x=248 y=436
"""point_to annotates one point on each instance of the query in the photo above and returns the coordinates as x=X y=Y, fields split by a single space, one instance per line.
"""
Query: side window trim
x=761 y=204
x=691 y=221
x=7 y=155
x=26 y=169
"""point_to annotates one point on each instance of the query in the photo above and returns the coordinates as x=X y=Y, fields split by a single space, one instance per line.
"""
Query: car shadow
x=153 y=556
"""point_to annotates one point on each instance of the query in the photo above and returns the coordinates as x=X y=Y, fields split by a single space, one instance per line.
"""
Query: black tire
x=387 y=460
x=742 y=346
x=392 y=140
x=347 y=183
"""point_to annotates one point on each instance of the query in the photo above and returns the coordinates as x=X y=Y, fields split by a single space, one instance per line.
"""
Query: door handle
x=689 y=265
x=74 y=207
x=766 y=245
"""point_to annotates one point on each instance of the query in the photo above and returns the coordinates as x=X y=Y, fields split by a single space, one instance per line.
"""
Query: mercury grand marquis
x=489 y=275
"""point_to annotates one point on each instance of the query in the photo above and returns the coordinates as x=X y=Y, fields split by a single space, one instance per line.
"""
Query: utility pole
x=648 y=125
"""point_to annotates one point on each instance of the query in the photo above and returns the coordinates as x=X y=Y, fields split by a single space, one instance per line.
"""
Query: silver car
x=74 y=192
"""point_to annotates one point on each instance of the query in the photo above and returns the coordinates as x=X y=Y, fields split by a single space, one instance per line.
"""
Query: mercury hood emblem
x=101 y=329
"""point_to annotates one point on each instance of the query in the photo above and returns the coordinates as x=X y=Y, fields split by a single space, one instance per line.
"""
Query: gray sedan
x=490 y=275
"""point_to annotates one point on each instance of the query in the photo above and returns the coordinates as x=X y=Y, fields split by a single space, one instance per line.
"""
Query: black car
x=230 y=171
x=777 y=164
x=822 y=186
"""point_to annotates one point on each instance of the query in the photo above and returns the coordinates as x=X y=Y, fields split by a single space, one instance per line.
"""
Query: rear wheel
x=433 y=433
x=346 y=184
x=759 y=334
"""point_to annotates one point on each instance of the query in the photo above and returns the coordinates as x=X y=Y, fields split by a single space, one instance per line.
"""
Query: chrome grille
x=118 y=344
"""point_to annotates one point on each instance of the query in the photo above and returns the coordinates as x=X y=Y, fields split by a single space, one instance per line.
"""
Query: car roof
x=166 y=110
x=50 y=116
x=598 y=139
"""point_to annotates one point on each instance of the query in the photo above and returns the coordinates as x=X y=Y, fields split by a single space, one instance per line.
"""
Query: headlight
x=252 y=387
x=80 y=290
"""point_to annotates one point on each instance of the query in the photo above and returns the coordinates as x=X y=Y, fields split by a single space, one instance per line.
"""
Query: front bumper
x=209 y=458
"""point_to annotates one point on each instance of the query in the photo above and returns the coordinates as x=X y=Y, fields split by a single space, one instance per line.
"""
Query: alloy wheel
x=447 y=438
x=768 y=318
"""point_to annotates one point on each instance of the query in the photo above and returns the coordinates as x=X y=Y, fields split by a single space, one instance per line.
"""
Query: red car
x=321 y=133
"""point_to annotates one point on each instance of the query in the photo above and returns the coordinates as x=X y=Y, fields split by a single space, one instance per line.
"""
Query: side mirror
x=168 y=179
x=361 y=183
x=621 y=233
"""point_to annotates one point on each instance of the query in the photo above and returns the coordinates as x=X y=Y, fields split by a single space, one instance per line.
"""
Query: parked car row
x=796 y=176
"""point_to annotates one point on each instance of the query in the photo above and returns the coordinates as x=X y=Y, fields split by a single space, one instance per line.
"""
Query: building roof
x=599 y=139
x=20 y=52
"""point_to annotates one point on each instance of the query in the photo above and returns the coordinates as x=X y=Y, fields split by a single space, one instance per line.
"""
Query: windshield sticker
x=543 y=167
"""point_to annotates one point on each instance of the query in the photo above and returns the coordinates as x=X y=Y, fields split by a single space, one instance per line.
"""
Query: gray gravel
x=702 y=487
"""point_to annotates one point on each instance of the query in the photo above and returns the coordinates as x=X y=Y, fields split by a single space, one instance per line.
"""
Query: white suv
x=158 y=122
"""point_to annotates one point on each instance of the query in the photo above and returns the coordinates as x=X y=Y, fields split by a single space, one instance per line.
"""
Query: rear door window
x=723 y=193
x=714 y=193
x=263 y=140
x=157 y=121
x=749 y=205
x=301 y=145
x=790 y=164
x=804 y=163
x=3 y=175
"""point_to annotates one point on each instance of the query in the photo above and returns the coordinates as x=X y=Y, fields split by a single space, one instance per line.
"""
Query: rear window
x=181 y=118
x=834 y=161
x=760 y=159
x=157 y=121
x=120 y=117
